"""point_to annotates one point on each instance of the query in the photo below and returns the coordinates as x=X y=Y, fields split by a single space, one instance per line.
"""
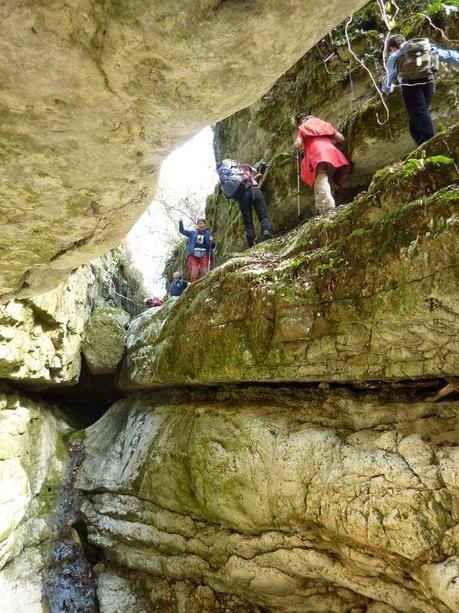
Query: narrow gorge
x=283 y=437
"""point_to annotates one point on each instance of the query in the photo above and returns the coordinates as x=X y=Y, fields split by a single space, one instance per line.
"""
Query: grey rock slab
x=32 y=464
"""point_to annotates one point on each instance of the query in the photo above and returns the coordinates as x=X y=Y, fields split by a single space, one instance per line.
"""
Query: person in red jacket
x=322 y=160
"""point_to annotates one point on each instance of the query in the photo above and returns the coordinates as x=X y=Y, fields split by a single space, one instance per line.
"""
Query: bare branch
x=359 y=61
x=451 y=40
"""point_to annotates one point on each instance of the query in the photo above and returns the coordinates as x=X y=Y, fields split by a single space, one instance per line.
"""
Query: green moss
x=346 y=214
x=439 y=160
x=60 y=449
x=80 y=435
x=411 y=166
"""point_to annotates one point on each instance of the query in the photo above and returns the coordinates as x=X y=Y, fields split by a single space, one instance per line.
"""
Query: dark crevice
x=411 y=390
x=82 y=403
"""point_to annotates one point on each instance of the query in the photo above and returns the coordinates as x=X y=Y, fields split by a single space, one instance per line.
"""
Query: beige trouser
x=322 y=189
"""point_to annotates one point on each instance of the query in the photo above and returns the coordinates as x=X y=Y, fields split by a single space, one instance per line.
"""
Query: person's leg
x=417 y=99
x=193 y=268
x=203 y=266
x=259 y=204
x=245 y=206
x=322 y=190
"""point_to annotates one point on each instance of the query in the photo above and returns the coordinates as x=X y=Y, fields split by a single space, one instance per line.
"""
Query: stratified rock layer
x=95 y=94
x=368 y=293
x=40 y=337
x=294 y=500
x=32 y=463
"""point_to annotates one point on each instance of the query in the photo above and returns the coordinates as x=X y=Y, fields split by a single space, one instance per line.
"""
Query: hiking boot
x=267 y=234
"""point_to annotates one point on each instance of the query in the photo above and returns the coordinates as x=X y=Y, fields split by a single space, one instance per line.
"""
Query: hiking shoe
x=267 y=234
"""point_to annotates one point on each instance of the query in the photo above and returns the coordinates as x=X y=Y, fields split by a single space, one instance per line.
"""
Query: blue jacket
x=444 y=55
x=192 y=234
x=176 y=288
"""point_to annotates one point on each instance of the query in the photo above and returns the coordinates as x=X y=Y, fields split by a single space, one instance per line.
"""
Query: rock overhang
x=96 y=95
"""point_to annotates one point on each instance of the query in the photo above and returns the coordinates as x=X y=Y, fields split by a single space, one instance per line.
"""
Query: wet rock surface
x=68 y=583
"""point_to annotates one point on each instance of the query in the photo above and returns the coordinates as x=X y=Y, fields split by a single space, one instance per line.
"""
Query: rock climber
x=252 y=198
x=200 y=245
x=322 y=160
x=412 y=65
x=240 y=182
x=177 y=286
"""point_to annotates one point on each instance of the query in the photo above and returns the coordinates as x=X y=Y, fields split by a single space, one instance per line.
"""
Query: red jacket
x=317 y=136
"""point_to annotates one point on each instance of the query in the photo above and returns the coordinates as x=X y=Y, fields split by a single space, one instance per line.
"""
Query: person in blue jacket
x=178 y=285
x=200 y=245
x=417 y=93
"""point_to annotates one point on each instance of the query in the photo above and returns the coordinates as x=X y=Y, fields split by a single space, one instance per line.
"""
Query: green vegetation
x=79 y=435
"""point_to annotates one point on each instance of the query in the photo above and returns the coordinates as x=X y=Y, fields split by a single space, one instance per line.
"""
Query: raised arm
x=182 y=230
x=447 y=55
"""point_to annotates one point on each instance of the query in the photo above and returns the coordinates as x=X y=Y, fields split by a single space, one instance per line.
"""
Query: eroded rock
x=41 y=336
x=298 y=501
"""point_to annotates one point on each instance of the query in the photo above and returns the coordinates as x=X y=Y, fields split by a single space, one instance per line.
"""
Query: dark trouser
x=254 y=198
x=417 y=100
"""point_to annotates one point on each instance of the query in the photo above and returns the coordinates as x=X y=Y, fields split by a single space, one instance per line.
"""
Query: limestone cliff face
x=116 y=282
x=330 y=486
x=292 y=500
x=324 y=498
x=94 y=96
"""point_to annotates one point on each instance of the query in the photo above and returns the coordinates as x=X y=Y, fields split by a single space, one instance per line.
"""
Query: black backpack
x=416 y=60
x=233 y=180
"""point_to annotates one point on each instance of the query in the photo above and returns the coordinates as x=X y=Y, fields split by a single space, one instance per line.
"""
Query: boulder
x=104 y=339
x=291 y=499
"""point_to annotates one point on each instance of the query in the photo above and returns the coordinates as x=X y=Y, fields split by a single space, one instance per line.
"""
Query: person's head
x=176 y=275
x=201 y=225
x=394 y=42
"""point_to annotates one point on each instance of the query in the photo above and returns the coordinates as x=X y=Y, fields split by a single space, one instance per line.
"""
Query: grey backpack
x=416 y=60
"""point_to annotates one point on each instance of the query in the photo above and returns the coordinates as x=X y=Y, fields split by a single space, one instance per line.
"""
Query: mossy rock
x=344 y=298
